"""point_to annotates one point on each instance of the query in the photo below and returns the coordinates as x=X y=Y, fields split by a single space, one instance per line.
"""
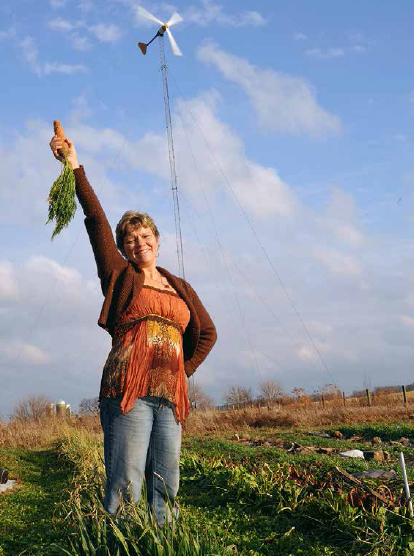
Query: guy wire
x=257 y=237
x=242 y=316
x=224 y=258
x=245 y=336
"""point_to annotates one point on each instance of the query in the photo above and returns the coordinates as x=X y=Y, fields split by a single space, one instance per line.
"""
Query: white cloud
x=333 y=52
x=9 y=34
x=341 y=218
x=347 y=233
x=81 y=109
x=299 y=37
x=34 y=355
x=327 y=53
x=270 y=195
x=86 y=5
x=44 y=265
x=68 y=69
x=106 y=32
x=283 y=103
x=358 y=48
x=56 y=4
x=60 y=24
x=9 y=290
x=31 y=55
x=341 y=205
x=307 y=354
x=259 y=189
x=320 y=328
x=407 y=321
x=80 y=42
x=338 y=262
x=24 y=352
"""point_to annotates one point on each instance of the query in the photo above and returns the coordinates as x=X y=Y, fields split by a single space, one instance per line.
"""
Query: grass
x=29 y=522
x=297 y=416
x=235 y=498
x=42 y=433
x=250 y=501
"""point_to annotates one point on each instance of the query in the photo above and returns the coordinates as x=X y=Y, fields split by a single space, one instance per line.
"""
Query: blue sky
x=304 y=109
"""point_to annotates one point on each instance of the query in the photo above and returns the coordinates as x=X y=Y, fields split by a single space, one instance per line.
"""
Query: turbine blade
x=144 y=13
x=175 y=18
x=174 y=45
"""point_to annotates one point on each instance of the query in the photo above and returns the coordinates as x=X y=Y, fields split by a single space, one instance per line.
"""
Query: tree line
x=270 y=394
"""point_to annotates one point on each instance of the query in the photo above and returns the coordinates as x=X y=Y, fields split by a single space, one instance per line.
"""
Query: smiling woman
x=137 y=237
x=160 y=333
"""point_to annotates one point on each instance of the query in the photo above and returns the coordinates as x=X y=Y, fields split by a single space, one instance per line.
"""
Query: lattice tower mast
x=171 y=155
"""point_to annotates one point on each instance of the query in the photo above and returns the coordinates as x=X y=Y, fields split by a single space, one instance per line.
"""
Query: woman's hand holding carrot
x=59 y=145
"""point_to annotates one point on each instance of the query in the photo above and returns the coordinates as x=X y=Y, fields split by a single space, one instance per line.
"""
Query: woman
x=160 y=333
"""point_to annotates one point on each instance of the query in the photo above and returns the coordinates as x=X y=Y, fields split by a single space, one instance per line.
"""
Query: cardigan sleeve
x=106 y=253
x=208 y=334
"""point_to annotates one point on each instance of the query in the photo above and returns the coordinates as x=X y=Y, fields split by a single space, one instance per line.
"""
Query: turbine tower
x=164 y=28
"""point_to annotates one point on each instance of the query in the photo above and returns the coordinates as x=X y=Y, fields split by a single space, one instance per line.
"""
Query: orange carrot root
x=57 y=126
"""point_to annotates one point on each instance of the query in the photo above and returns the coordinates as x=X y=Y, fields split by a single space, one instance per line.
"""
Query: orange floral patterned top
x=146 y=358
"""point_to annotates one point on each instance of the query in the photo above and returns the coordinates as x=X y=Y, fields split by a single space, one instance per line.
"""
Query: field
x=252 y=482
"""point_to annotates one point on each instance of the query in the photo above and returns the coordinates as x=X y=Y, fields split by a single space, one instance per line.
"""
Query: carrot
x=62 y=205
x=57 y=126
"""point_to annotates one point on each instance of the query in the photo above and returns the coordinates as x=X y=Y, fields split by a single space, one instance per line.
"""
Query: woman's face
x=140 y=246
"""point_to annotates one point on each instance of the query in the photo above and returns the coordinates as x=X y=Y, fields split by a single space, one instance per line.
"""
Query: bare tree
x=270 y=390
x=198 y=398
x=358 y=394
x=298 y=392
x=237 y=395
x=89 y=406
x=410 y=387
x=31 y=408
x=330 y=391
x=300 y=395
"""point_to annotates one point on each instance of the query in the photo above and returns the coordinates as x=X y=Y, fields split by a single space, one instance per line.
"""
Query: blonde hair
x=136 y=220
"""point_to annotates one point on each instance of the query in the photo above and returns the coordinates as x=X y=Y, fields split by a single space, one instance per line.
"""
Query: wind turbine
x=165 y=28
x=175 y=18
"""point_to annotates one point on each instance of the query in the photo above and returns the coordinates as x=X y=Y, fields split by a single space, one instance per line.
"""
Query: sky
x=294 y=139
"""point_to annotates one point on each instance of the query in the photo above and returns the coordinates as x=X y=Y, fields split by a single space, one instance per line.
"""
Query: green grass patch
x=29 y=522
x=234 y=499
x=273 y=510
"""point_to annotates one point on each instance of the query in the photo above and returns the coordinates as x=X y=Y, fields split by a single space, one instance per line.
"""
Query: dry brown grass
x=385 y=409
x=41 y=433
x=295 y=416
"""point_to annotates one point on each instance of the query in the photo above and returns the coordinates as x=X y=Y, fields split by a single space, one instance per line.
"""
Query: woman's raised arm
x=107 y=256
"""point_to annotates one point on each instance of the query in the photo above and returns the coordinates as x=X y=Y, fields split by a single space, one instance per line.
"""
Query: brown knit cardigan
x=121 y=280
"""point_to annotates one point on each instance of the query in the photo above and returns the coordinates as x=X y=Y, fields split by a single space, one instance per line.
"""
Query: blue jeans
x=147 y=440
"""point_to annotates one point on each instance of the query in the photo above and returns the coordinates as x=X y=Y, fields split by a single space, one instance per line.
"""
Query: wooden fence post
x=323 y=401
x=344 y=398
x=404 y=393
x=368 y=393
